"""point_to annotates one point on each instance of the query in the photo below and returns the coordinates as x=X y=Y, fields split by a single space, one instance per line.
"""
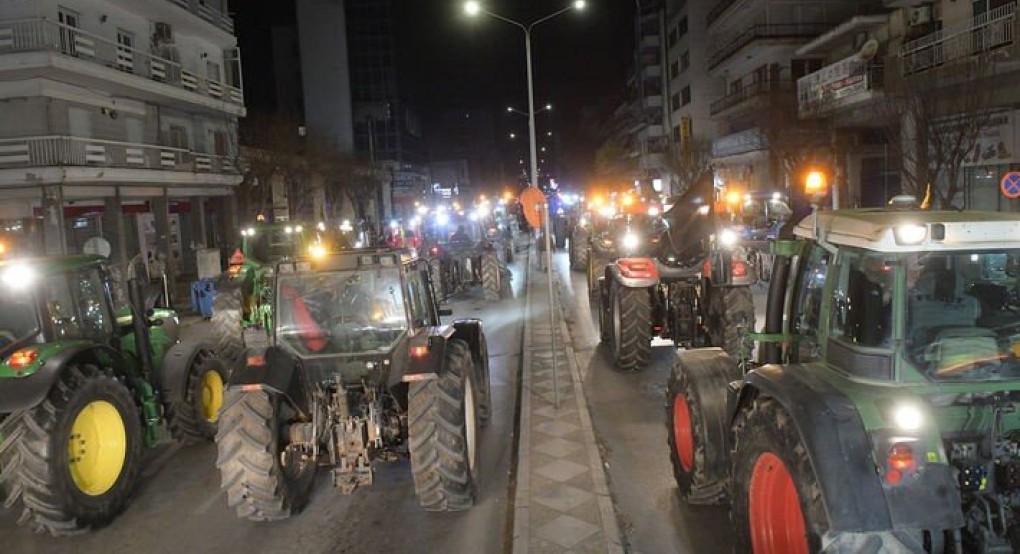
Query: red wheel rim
x=777 y=523
x=682 y=432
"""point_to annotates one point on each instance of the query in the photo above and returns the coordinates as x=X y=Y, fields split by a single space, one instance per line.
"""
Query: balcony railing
x=766 y=31
x=748 y=92
x=837 y=83
x=718 y=9
x=42 y=34
x=988 y=31
x=219 y=19
x=44 y=151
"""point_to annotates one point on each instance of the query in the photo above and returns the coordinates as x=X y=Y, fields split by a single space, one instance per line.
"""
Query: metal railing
x=42 y=34
x=748 y=92
x=219 y=19
x=765 y=31
x=718 y=9
x=42 y=151
x=988 y=31
x=846 y=78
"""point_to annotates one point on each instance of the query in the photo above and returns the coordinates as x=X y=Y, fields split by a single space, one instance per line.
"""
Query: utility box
x=208 y=260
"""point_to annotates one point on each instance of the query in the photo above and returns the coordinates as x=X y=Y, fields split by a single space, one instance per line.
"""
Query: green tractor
x=242 y=310
x=84 y=388
x=882 y=415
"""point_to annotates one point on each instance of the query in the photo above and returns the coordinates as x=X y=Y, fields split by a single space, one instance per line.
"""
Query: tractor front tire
x=730 y=315
x=71 y=463
x=443 y=434
x=776 y=500
x=227 y=322
x=491 y=277
x=260 y=483
x=631 y=323
x=685 y=431
x=194 y=419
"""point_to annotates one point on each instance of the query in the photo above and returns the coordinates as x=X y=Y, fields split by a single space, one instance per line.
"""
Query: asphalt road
x=179 y=507
x=628 y=413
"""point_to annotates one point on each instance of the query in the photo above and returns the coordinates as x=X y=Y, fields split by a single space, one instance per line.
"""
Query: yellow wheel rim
x=97 y=448
x=212 y=395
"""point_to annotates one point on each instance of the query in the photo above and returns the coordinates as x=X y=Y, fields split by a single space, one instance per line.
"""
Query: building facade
x=120 y=122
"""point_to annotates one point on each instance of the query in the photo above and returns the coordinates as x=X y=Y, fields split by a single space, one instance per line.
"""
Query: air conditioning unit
x=919 y=15
x=164 y=33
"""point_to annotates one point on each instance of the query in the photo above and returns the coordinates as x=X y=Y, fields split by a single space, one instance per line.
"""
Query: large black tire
x=227 y=324
x=631 y=324
x=38 y=478
x=605 y=312
x=250 y=442
x=766 y=434
x=593 y=278
x=194 y=418
x=730 y=314
x=491 y=277
x=688 y=440
x=442 y=434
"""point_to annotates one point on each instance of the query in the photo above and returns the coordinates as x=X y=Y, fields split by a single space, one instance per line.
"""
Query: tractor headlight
x=317 y=251
x=728 y=237
x=18 y=277
x=630 y=241
x=910 y=234
x=907 y=417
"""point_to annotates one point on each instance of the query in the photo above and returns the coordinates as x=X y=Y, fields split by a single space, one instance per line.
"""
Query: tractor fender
x=171 y=379
x=470 y=331
x=274 y=370
x=619 y=272
x=836 y=442
x=21 y=393
x=711 y=370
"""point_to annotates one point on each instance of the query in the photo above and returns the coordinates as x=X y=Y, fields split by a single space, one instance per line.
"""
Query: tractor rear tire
x=578 y=253
x=491 y=277
x=48 y=489
x=194 y=419
x=776 y=500
x=730 y=315
x=228 y=324
x=685 y=431
x=442 y=434
x=259 y=485
x=631 y=324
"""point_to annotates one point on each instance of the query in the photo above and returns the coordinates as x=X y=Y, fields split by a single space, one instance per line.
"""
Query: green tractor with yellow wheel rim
x=84 y=388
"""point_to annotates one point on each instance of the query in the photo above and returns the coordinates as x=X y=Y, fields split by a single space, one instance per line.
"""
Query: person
x=460 y=235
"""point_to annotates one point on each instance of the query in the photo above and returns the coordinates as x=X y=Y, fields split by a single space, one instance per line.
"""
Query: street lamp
x=473 y=8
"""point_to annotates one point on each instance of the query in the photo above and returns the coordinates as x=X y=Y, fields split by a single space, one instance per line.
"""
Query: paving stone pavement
x=562 y=503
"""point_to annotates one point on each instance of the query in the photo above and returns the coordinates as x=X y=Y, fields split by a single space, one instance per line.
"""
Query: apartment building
x=641 y=119
x=754 y=51
x=119 y=121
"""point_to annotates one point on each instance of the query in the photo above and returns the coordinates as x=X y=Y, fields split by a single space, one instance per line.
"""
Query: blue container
x=203 y=292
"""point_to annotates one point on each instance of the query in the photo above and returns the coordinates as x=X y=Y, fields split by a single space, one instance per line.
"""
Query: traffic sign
x=1010 y=185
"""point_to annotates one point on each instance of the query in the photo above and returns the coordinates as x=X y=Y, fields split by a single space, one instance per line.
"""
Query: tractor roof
x=56 y=263
x=883 y=230
x=348 y=259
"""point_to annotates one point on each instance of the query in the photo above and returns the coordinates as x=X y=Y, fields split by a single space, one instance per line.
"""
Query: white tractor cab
x=883 y=408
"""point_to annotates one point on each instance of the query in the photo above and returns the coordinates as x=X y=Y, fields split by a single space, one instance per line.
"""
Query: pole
x=531 y=110
x=552 y=304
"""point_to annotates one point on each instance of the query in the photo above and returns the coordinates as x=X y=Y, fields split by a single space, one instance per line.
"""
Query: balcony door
x=69 y=22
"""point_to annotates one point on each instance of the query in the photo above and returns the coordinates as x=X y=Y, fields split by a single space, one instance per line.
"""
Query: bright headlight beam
x=18 y=277
x=630 y=241
x=907 y=417
x=910 y=233
x=727 y=237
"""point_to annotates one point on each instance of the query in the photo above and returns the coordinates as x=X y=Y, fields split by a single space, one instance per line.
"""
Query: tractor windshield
x=963 y=314
x=18 y=319
x=341 y=312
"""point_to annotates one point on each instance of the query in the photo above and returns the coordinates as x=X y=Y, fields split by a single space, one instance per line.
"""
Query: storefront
x=994 y=155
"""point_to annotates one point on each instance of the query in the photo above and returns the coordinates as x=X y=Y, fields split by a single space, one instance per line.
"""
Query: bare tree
x=690 y=162
x=795 y=144
x=612 y=165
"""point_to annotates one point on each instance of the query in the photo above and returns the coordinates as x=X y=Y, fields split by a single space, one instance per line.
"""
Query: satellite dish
x=868 y=50
x=97 y=246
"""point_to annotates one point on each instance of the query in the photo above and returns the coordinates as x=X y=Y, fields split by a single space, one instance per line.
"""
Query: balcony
x=718 y=9
x=762 y=31
x=41 y=35
x=747 y=93
x=219 y=19
x=845 y=83
x=63 y=151
x=989 y=31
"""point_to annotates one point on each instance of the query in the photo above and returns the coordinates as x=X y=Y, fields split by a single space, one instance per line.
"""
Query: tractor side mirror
x=445 y=311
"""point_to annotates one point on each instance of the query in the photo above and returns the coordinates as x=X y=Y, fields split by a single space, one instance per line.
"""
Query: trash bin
x=203 y=292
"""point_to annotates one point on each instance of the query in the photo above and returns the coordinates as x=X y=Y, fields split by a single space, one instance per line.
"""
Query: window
x=685 y=61
x=125 y=50
x=809 y=304
x=672 y=38
x=685 y=95
x=76 y=306
x=682 y=27
x=212 y=71
x=417 y=299
x=676 y=134
x=674 y=70
x=800 y=68
x=96 y=322
x=861 y=303
x=220 y=143
x=674 y=102
x=69 y=23
x=178 y=137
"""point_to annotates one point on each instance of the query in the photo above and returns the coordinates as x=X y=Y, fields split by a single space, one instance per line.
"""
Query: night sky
x=449 y=60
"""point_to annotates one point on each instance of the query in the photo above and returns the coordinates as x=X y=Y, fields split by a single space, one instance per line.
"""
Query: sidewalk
x=562 y=502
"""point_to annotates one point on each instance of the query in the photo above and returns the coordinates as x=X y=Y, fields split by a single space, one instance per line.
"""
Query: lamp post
x=473 y=8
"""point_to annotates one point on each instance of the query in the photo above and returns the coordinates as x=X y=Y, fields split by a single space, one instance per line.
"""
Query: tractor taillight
x=256 y=361
x=22 y=358
x=899 y=460
x=638 y=268
x=419 y=351
x=739 y=269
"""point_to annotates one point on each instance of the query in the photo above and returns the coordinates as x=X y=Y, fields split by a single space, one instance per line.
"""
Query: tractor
x=241 y=309
x=468 y=257
x=360 y=370
x=85 y=388
x=881 y=412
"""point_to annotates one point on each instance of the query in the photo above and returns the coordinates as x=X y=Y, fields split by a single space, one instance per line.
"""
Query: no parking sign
x=1010 y=184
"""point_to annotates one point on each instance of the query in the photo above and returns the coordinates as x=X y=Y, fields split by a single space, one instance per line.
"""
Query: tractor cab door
x=420 y=298
x=78 y=306
x=808 y=309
